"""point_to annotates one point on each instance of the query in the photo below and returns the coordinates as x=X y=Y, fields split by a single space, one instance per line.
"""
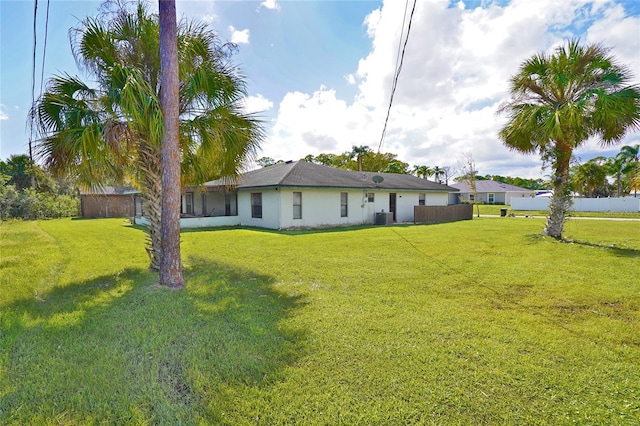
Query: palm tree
x=590 y=176
x=560 y=100
x=359 y=152
x=437 y=173
x=629 y=158
x=615 y=168
x=422 y=171
x=115 y=127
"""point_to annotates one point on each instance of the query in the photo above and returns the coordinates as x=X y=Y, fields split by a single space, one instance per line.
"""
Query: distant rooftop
x=109 y=190
x=489 y=186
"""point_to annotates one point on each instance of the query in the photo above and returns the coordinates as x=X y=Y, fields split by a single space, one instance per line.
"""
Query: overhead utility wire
x=397 y=73
x=33 y=74
x=404 y=21
x=44 y=49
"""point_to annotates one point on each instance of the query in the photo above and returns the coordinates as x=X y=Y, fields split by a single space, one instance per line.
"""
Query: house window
x=421 y=198
x=344 y=201
x=370 y=197
x=297 y=205
x=491 y=198
x=256 y=205
x=472 y=197
x=188 y=203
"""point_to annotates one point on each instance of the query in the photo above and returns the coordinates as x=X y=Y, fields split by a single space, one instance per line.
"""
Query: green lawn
x=475 y=322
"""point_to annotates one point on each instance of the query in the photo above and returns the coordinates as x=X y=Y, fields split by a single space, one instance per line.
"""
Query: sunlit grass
x=475 y=322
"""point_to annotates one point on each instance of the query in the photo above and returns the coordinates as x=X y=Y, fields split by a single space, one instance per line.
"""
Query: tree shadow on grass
x=121 y=349
x=617 y=251
x=611 y=248
x=300 y=231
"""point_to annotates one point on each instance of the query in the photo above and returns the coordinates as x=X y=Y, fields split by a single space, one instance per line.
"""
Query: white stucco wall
x=270 y=208
x=321 y=207
x=405 y=201
x=198 y=222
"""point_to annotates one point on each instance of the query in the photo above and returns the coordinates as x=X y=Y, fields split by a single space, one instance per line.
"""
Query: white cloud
x=239 y=37
x=204 y=10
x=455 y=75
x=320 y=122
x=3 y=115
x=270 y=4
x=257 y=104
x=620 y=32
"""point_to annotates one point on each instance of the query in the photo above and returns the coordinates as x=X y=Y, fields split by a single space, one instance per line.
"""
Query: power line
x=404 y=21
x=44 y=48
x=33 y=71
x=397 y=72
x=33 y=74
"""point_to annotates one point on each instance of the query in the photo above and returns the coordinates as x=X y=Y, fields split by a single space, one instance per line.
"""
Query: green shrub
x=28 y=204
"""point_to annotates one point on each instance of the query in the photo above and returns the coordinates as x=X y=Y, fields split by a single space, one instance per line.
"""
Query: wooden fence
x=113 y=205
x=440 y=214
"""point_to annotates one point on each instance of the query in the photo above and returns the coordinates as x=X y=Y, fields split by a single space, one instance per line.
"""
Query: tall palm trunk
x=171 y=265
x=561 y=200
x=150 y=165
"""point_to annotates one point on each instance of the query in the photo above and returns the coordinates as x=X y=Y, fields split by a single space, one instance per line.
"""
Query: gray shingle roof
x=304 y=174
x=109 y=190
x=489 y=186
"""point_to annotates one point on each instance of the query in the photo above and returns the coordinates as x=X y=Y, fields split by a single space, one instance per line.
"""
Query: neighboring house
x=491 y=192
x=108 y=201
x=298 y=194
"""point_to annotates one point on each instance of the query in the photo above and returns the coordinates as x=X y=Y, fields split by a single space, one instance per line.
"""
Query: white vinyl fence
x=626 y=204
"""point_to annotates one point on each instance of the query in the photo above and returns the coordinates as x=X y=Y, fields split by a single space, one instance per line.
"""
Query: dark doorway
x=392 y=204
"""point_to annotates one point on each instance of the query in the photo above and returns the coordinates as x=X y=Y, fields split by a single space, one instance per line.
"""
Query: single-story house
x=108 y=201
x=492 y=192
x=298 y=194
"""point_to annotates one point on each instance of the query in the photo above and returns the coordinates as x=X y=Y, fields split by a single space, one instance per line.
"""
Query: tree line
x=608 y=176
x=363 y=158
x=27 y=191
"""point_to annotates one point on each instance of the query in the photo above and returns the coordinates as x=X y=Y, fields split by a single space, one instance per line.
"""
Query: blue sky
x=320 y=72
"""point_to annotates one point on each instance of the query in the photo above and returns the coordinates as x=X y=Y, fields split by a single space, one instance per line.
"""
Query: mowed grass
x=475 y=322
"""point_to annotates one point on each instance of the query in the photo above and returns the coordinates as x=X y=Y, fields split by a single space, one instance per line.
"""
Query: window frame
x=188 y=203
x=422 y=199
x=491 y=197
x=297 y=207
x=371 y=197
x=344 y=204
x=256 y=208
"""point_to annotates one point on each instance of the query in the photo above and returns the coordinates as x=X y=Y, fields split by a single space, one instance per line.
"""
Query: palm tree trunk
x=561 y=200
x=171 y=264
x=150 y=165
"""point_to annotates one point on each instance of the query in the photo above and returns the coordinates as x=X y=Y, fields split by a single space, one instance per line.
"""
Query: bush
x=28 y=204
x=8 y=197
